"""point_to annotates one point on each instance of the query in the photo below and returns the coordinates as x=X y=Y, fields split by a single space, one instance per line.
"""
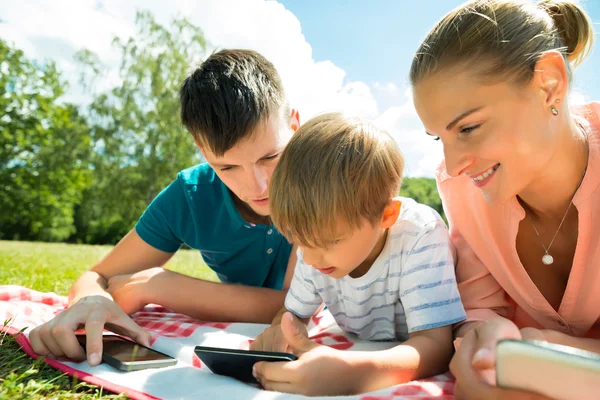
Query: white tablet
x=559 y=372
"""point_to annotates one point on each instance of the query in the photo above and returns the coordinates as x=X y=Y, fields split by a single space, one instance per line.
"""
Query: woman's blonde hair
x=503 y=39
x=335 y=168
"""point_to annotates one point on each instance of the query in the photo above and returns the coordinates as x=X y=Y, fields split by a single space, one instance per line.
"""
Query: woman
x=521 y=178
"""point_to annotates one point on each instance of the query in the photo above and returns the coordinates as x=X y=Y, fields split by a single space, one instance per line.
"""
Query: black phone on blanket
x=127 y=355
x=237 y=363
x=556 y=371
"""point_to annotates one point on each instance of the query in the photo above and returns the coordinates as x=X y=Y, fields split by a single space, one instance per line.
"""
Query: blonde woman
x=521 y=177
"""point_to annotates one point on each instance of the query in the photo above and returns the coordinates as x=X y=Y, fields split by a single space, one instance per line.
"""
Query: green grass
x=51 y=267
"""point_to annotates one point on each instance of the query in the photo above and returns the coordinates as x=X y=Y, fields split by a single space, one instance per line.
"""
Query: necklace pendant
x=547 y=259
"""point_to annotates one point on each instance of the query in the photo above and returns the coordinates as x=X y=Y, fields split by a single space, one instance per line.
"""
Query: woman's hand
x=473 y=364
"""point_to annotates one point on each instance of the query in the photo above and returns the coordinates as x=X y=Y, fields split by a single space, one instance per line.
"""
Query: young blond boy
x=382 y=264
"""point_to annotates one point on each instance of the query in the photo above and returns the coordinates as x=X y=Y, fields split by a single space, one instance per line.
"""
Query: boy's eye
x=272 y=157
x=228 y=168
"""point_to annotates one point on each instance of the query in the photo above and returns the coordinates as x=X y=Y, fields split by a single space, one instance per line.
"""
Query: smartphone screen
x=128 y=355
x=127 y=351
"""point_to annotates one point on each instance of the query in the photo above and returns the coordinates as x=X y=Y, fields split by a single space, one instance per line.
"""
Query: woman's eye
x=469 y=129
x=436 y=138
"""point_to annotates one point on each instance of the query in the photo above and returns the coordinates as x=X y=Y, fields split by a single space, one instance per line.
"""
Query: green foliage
x=25 y=378
x=135 y=128
x=423 y=190
x=86 y=176
x=44 y=151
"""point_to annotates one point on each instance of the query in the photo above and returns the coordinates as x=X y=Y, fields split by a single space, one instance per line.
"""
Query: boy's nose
x=311 y=257
x=258 y=180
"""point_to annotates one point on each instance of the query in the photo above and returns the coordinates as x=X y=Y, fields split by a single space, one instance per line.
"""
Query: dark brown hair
x=228 y=95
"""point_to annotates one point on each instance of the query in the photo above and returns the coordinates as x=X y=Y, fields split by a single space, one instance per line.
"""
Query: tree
x=44 y=151
x=136 y=131
x=423 y=190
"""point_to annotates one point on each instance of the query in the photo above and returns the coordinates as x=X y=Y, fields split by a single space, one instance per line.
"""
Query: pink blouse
x=492 y=280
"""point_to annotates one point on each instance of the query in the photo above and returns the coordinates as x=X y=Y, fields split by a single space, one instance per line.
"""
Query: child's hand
x=131 y=291
x=271 y=339
x=320 y=370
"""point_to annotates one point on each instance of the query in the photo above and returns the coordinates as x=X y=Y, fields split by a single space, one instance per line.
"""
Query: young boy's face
x=352 y=252
x=247 y=167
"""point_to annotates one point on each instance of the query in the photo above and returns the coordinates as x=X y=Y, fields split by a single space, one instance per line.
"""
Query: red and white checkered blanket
x=176 y=335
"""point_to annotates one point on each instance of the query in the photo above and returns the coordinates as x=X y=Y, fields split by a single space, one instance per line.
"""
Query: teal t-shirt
x=197 y=209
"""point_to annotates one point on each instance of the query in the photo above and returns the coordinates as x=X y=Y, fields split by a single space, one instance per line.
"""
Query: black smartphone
x=237 y=363
x=127 y=355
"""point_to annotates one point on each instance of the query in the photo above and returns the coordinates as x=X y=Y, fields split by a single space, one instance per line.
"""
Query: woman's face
x=499 y=135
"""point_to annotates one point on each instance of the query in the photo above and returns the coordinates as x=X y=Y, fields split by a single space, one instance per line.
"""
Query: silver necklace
x=547 y=259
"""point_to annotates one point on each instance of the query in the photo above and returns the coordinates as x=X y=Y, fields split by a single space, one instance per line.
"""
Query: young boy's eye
x=228 y=168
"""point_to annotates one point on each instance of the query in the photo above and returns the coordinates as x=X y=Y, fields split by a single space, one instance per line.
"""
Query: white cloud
x=421 y=152
x=59 y=28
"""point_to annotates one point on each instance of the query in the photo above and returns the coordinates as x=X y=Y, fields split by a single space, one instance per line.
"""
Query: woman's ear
x=551 y=77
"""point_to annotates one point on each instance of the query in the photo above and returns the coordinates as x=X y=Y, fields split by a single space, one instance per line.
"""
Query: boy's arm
x=130 y=255
x=324 y=371
x=424 y=354
x=212 y=301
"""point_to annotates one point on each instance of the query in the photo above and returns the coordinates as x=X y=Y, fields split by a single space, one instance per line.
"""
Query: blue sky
x=373 y=41
x=351 y=56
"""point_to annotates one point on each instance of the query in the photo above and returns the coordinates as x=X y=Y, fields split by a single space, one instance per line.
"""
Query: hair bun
x=574 y=27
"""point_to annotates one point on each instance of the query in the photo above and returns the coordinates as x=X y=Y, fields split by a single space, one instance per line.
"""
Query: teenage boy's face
x=247 y=167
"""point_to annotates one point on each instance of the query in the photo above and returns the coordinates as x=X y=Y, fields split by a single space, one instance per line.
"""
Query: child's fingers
x=282 y=371
x=280 y=344
x=282 y=387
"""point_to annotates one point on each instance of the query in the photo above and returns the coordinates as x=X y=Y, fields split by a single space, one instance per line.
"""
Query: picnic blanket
x=176 y=335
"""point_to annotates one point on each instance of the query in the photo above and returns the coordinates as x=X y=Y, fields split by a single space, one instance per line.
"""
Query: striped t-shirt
x=410 y=287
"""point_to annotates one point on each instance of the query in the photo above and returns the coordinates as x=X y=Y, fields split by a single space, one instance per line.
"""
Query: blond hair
x=334 y=168
x=503 y=39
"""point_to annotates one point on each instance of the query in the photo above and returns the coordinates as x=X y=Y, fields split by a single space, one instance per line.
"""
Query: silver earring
x=553 y=110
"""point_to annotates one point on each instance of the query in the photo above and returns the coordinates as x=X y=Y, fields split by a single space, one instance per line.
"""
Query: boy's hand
x=57 y=336
x=319 y=370
x=132 y=292
x=271 y=339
